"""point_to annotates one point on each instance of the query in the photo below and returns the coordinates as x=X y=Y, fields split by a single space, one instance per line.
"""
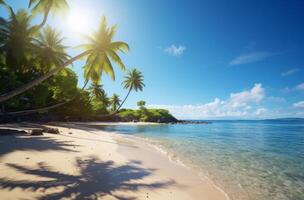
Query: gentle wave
x=247 y=159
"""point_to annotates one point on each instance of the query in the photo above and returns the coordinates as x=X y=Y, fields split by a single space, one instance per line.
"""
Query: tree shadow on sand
x=12 y=143
x=96 y=180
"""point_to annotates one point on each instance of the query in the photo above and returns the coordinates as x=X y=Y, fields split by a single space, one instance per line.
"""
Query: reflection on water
x=248 y=159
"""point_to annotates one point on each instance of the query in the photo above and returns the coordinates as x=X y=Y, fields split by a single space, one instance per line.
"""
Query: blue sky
x=203 y=59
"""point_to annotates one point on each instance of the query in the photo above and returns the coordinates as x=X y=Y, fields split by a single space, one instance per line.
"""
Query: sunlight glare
x=79 y=21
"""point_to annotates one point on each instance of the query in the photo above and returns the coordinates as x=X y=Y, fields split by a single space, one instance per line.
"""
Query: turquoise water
x=248 y=159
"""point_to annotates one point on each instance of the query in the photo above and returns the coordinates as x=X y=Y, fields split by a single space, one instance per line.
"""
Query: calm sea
x=248 y=159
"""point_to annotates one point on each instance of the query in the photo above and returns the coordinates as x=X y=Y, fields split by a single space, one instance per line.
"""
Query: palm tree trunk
x=113 y=113
x=44 y=109
x=45 y=17
x=122 y=102
x=27 y=86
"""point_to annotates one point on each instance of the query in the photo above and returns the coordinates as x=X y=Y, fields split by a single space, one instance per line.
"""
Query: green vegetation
x=133 y=81
x=99 y=100
x=150 y=115
x=146 y=115
x=37 y=79
x=115 y=101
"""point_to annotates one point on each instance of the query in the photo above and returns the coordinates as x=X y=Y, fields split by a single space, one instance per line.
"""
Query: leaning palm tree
x=114 y=101
x=133 y=81
x=46 y=7
x=99 y=51
x=50 y=51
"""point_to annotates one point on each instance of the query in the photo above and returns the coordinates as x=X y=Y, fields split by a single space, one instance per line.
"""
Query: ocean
x=252 y=160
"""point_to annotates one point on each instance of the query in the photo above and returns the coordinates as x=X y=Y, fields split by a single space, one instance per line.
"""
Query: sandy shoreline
x=83 y=162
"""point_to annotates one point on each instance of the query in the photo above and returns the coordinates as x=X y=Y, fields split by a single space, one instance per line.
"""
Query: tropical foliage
x=102 y=49
x=51 y=52
x=141 y=104
x=99 y=99
x=98 y=51
x=46 y=7
x=115 y=101
x=148 y=115
x=37 y=75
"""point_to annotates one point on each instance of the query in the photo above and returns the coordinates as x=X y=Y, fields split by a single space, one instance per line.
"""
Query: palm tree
x=50 y=50
x=98 y=96
x=47 y=6
x=96 y=90
x=133 y=81
x=3 y=33
x=141 y=104
x=6 y=6
x=17 y=35
x=104 y=50
x=99 y=50
x=115 y=101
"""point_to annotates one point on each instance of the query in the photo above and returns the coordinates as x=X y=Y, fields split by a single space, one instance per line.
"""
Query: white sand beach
x=83 y=162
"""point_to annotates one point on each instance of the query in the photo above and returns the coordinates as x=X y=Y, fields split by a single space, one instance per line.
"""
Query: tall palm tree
x=17 y=43
x=50 y=50
x=46 y=7
x=99 y=50
x=133 y=81
x=114 y=101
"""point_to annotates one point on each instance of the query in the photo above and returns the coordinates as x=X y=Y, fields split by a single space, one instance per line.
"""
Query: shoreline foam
x=173 y=158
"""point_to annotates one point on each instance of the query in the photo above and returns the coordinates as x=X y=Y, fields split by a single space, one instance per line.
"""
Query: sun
x=78 y=21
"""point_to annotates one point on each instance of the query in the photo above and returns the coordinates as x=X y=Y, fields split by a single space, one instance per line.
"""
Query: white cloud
x=300 y=87
x=260 y=111
x=299 y=104
x=241 y=99
x=238 y=105
x=251 y=57
x=290 y=72
x=175 y=50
